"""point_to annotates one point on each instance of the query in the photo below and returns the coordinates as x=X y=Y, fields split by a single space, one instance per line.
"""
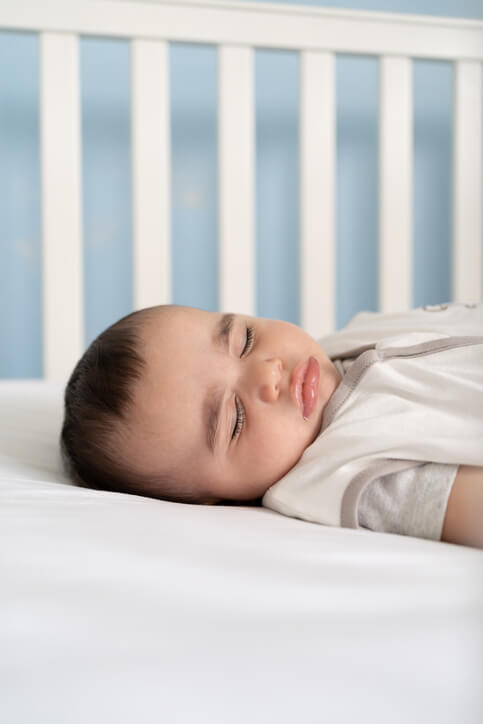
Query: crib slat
x=395 y=179
x=61 y=204
x=467 y=183
x=236 y=179
x=150 y=173
x=317 y=184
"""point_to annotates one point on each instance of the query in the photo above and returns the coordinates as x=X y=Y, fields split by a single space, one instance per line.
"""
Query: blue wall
x=105 y=88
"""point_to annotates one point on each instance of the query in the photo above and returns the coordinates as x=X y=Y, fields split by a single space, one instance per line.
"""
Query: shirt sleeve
x=411 y=502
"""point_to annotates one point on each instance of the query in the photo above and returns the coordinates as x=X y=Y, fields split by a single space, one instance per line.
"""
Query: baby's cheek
x=280 y=449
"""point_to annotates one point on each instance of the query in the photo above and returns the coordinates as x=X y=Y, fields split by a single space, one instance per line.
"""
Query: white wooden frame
x=238 y=28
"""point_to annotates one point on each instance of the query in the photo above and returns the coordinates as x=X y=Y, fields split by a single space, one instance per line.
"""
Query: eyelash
x=240 y=410
x=249 y=343
x=240 y=419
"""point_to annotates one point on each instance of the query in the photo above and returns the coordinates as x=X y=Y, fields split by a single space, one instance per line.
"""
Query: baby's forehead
x=174 y=318
x=167 y=345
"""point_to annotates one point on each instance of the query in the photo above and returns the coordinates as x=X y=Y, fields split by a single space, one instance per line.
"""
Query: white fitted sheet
x=126 y=609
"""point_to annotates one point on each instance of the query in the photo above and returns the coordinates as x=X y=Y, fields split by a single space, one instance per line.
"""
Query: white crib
x=238 y=29
x=118 y=608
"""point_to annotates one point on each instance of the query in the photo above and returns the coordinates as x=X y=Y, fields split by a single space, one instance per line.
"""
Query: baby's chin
x=318 y=426
x=315 y=426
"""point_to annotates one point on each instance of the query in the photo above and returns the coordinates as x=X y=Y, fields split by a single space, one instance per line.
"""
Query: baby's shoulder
x=369 y=328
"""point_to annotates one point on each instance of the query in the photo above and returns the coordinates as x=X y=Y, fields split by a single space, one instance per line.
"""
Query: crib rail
x=238 y=29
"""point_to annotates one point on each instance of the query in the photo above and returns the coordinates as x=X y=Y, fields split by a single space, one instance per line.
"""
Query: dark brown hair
x=97 y=401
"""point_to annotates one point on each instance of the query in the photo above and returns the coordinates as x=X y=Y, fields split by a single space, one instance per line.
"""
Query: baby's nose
x=270 y=383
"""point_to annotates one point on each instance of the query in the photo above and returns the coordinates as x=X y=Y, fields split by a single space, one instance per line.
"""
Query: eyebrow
x=221 y=338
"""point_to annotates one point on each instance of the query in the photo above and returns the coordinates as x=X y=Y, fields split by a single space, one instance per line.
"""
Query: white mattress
x=115 y=608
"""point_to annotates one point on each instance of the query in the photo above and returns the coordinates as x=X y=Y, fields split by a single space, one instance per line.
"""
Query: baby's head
x=193 y=406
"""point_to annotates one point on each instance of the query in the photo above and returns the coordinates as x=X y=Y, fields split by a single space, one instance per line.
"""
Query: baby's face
x=221 y=402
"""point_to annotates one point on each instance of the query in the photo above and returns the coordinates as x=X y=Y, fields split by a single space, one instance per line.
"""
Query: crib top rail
x=257 y=24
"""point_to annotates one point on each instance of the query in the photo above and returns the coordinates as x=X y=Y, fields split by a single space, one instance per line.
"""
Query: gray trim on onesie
x=410 y=502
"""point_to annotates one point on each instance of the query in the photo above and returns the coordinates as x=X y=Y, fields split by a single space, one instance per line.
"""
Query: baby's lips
x=310 y=387
x=296 y=383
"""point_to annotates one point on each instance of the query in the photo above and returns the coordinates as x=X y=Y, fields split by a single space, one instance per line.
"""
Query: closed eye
x=240 y=419
x=250 y=336
x=239 y=409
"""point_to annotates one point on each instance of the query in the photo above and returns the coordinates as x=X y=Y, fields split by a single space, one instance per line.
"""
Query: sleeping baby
x=380 y=426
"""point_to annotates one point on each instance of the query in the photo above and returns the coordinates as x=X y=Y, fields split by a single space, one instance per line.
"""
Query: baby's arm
x=463 y=522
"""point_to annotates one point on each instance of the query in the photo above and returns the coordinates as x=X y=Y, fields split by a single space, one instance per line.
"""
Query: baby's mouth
x=304 y=385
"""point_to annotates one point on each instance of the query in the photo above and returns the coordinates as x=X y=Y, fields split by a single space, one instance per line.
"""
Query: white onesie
x=409 y=502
